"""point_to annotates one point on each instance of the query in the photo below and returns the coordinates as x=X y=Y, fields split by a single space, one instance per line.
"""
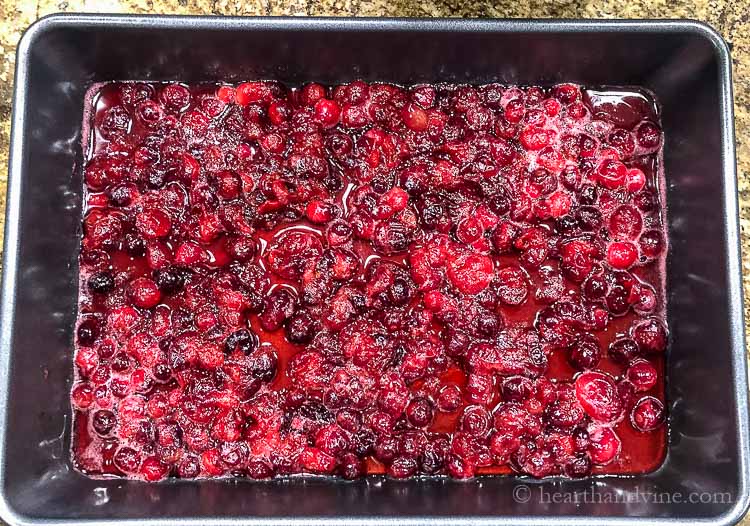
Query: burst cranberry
x=513 y=285
x=647 y=414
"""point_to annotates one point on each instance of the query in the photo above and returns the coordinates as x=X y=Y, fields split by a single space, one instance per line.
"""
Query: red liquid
x=227 y=411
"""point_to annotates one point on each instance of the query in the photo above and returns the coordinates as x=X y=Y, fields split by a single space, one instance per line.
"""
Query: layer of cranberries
x=370 y=278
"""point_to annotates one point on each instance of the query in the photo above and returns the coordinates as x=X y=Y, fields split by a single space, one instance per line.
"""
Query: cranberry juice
x=370 y=278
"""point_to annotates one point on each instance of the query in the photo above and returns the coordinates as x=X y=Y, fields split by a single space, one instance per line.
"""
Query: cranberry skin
x=278 y=307
x=144 y=293
x=623 y=350
x=419 y=412
x=648 y=414
x=642 y=375
x=476 y=420
x=597 y=394
x=651 y=336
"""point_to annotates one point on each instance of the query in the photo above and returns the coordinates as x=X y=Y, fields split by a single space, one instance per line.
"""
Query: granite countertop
x=729 y=17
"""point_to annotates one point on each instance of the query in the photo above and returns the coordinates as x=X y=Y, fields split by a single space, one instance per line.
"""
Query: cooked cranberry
x=450 y=399
x=279 y=306
x=101 y=283
x=169 y=280
x=144 y=293
x=88 y=331
x=428 y=252
x=623 y=350
x=104 y=422
x=651 y=336
x=419 y=412
x=651 y=243
x=579 y=466
x=127 y=459
x=402 y=467
x=642 y=375
x=647 y=414
x=242 y=340
x=585 y=353
x=300 y=328
x=264 y=363
x=648 y=134
x=597 y=394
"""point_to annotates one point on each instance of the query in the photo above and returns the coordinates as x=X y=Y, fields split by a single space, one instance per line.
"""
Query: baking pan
x=704 y=478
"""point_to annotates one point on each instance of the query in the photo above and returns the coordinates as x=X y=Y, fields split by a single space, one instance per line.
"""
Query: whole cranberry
x=585 y=353
x=642 y=375
x=650 y=335
x=403 y=467
x=104 y=422
x=300 y=328
x=648 y=135
x=651 y=243
x=516 y=389
x=169 y=280
x=648 y=414
x=327 y=112
x=127 y=459
x=623 y=350
x=144 y=293
x=88 y=331
x=154 y=469
x=101 y=282
x=264 y=363
x=351 y=467
x=419 y=412
x=578 y=466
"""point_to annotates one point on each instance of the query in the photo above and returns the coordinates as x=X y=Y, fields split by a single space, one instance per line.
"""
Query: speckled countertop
x=729 y=17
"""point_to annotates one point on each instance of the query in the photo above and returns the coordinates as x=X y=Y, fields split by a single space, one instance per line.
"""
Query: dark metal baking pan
x=704 y=478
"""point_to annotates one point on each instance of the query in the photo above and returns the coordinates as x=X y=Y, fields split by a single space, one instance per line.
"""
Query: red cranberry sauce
x=369 y=278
